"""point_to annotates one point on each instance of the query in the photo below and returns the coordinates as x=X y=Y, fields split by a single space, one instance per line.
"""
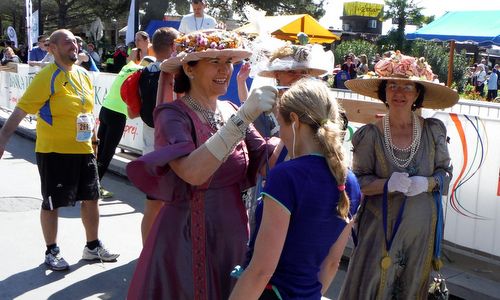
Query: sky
x=431 y=7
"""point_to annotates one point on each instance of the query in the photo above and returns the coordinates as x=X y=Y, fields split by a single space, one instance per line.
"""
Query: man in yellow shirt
x=62 y=96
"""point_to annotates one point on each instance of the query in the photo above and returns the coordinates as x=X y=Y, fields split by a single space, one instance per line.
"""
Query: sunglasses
x=404 y=87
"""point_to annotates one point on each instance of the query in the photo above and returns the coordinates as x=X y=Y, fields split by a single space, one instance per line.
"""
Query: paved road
x=23 y=274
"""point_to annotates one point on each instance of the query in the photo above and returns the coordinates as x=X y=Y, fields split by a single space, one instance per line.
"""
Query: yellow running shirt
x=58 y=97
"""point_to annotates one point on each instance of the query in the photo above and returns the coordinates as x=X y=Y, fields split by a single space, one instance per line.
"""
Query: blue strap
x=282 y=156
x=439 y=223
x=388 y=243
x=45 y=112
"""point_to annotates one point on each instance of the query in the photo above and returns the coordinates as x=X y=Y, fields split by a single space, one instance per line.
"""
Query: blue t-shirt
x=308 y=190
x=37 y=54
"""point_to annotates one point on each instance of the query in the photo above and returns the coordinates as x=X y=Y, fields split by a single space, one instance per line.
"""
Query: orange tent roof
x=287 y=28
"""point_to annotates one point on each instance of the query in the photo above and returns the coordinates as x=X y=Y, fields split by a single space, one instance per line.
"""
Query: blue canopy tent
x=232 y=90
x=481 y=27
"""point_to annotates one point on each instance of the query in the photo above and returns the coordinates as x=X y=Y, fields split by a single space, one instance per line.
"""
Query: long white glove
x=419 y=184
x=398 y=182
x=261 y=100
x=222 y=143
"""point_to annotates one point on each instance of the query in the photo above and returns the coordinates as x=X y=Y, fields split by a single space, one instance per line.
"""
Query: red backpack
x=129 y=92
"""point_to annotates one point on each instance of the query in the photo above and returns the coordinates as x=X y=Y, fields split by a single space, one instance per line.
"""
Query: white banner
x=11 y=33
x=34 y=26
x=130 y=37
x=29 y=25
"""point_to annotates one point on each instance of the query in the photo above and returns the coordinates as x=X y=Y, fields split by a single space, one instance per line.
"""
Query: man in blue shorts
x=62 y=95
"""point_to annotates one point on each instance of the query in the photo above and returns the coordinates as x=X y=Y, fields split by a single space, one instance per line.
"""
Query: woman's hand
x=243 y=73
x=419 y=184
x=261 y=100
x=399 y=182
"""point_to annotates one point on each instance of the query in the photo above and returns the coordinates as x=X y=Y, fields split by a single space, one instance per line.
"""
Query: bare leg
x=48 y=219
x=151 y=210
x=90 y=219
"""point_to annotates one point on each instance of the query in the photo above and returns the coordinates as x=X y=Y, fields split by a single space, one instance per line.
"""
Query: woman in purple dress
x=304 y=219
x=205 y=154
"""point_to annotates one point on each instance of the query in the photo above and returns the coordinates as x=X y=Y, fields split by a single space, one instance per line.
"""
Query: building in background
x=362 y=18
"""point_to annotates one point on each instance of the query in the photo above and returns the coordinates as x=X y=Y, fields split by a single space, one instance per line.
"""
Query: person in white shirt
x=198 y=20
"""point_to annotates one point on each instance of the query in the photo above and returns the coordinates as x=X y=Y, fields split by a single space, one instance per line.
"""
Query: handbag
x=438 y=289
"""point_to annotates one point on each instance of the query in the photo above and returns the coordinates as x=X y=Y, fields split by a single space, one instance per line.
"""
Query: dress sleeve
x=173 y=139
x=364 y=157
x=442 y=159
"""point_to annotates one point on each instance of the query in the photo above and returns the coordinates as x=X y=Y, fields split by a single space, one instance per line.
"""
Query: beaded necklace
x=412 y=148
x=213 y=118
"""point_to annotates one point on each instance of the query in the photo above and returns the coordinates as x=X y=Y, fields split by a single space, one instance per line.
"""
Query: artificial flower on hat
x=406 y=68
x=206 y=44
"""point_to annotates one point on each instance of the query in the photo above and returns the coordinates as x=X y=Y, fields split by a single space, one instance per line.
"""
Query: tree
x=402 y=12
x=285 y=7
x=357 y=47
x=436 y=55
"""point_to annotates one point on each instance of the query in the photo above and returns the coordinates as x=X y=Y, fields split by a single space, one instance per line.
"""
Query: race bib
x=84 y=127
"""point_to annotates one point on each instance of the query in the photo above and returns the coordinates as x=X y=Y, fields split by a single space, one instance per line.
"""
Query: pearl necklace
x=412 y=148
x=213 y=118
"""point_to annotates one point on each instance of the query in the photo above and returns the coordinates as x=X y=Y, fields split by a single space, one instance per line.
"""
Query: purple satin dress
x=201 y=233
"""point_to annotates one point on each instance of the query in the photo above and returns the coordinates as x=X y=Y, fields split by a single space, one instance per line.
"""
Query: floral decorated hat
x=206 y=44
x=299 y=57
x=406 y=68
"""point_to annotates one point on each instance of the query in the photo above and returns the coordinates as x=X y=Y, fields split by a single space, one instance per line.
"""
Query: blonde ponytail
x=312 y=101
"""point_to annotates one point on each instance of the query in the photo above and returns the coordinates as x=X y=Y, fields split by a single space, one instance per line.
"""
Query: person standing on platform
x=197 y=20
x=62 y=95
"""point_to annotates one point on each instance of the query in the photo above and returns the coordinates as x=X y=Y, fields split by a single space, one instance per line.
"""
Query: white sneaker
x=55 y=261
x=99 y=253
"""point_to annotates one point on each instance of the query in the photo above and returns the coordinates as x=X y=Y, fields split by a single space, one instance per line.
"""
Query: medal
x=386 y=262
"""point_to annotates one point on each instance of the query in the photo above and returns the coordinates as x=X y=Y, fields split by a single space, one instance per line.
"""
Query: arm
x=268 y=247
x=199 y=165
x=242 y=84
x=330 y=264
x=9 y=127
x=133 y=54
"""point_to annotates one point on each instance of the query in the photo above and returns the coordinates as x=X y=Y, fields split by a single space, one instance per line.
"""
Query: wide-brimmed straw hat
x=299 y=57
x=405 y=68
x=206 y=44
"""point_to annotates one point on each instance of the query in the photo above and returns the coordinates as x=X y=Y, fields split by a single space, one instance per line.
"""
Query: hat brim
x=272 y=73
x=436 y=96
x=173 y=64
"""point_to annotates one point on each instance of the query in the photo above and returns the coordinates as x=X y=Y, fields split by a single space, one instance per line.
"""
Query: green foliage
x=403 y=12
x=357 y=47
x=284 y=7
x=437 y=56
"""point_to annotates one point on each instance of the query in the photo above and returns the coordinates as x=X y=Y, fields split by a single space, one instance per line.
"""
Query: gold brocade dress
x=407 y=276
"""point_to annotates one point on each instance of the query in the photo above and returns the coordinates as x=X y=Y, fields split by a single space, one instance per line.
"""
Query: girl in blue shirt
x=305 y=217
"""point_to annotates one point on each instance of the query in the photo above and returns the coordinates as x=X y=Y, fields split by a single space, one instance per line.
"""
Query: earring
x=293 y=145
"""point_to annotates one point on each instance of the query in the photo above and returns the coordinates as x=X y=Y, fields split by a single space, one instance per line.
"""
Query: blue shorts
x=67 y=178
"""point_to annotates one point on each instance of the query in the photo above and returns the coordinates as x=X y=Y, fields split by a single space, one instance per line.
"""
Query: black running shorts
x=67 y=178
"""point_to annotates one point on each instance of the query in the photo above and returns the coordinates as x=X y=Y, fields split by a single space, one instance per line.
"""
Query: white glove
x=419 y=184
x=398 y=182
x=261 y=100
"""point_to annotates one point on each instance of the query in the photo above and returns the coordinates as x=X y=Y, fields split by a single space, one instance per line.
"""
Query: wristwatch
x=239 y=123
x=96 y=142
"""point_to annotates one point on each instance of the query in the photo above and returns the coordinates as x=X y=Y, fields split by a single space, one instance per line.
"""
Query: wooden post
x=450 y=63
